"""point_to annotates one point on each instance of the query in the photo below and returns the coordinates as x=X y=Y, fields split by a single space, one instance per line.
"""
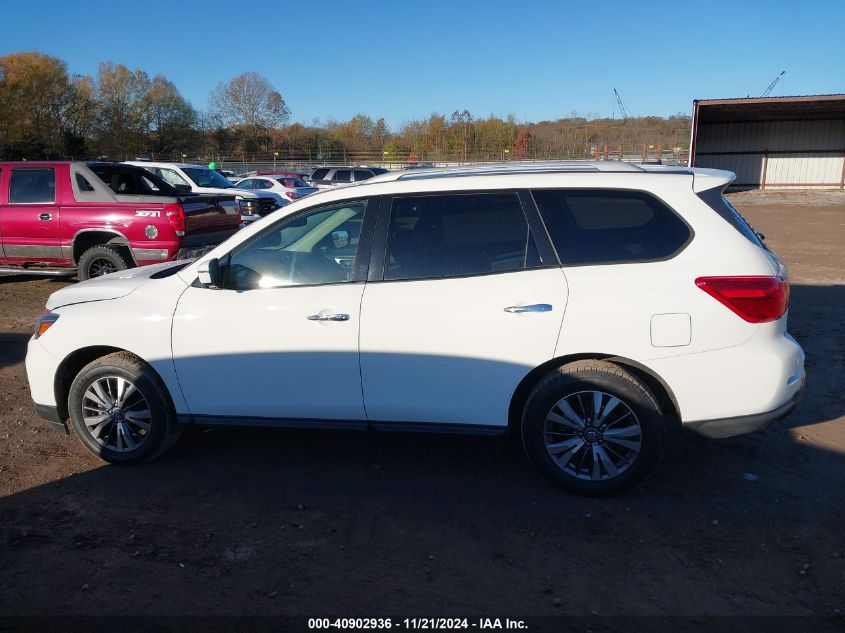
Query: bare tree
x=249 y=101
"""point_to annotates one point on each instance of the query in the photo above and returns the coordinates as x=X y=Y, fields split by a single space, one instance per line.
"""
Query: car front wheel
x=121 y=411
x=593 y=427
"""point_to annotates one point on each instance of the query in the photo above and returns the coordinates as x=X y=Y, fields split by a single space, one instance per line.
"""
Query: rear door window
x=592 y=226
x=362 y=174
x=343 y=175
x=32 y=185
x=457 y=235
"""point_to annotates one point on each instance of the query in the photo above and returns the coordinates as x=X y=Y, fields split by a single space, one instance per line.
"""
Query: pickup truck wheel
x=592 y=427
x=121 y=411
x=101 y=260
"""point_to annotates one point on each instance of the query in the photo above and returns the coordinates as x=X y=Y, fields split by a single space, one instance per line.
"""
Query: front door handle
x=45 y=217
x=534 y=307
x=337 y=316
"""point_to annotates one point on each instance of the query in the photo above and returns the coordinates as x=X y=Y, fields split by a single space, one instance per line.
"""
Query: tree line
x=48 y=112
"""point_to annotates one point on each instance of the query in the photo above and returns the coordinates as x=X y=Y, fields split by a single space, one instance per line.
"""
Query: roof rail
x=545 y=167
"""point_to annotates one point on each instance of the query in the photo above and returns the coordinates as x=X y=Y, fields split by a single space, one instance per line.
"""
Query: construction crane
x=772 y=85
x=622 y=109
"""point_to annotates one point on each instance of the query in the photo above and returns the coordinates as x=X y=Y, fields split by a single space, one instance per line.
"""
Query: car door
x=463 y=301
x=30 y=216
x=279 y=340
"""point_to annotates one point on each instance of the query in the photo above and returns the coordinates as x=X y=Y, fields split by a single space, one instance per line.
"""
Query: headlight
x=44 y=323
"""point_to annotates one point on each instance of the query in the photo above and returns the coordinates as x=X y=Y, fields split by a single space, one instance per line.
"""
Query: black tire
x=163 y=430
x=575 y=385
x=101 y=260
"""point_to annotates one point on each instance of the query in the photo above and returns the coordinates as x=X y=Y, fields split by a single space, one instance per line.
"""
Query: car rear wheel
x=592 y=427
x=101 y=260
x=121 y=411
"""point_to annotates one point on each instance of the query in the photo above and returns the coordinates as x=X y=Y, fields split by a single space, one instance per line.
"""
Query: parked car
x=201 y=179
x=326 y=177
x=589 y=309
x=101 y=217
x=288 y=186
x=302 y=175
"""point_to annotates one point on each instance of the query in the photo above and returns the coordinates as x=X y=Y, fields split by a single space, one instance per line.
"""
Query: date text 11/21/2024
x=417 y=623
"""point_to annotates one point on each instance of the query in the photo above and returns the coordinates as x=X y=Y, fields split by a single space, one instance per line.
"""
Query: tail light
x=292 y=195
x=176 y=216
x=755 y=299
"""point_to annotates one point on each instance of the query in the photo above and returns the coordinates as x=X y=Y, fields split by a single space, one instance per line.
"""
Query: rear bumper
x=730 y=427
x=208 y=239
x=198 y=245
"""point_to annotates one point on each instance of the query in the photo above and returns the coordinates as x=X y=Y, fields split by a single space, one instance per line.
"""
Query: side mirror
x=209 y=274
x=182 y=188
x=340 y=238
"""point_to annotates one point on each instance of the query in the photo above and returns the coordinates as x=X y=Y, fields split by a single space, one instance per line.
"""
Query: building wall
x=788 y=154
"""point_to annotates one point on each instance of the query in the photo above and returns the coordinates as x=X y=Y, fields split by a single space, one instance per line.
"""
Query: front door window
x=318 y=247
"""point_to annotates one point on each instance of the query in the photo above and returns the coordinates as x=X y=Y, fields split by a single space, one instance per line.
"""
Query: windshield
x=203 y=177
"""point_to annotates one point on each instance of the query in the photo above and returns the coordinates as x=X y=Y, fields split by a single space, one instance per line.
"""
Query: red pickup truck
x=101 y=217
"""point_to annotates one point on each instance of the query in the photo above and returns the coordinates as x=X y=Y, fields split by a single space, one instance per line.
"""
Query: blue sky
x=403 y=60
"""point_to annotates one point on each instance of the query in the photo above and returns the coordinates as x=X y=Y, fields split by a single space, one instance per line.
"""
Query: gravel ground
x=313 y=523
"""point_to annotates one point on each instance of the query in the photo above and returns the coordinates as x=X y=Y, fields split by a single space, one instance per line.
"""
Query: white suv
x=201 y=179
x=589 y=309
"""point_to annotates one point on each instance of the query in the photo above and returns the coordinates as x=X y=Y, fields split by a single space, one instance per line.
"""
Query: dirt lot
x=262 y=522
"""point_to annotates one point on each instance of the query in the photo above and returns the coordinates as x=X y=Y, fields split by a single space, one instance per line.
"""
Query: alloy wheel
x=101 y=266
x=592 y=435
x=116 y=413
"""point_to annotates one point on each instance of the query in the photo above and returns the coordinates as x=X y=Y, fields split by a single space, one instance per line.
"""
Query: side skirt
x=342 y=425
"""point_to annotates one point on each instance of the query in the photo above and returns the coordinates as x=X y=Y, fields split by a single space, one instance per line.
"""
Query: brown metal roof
x=801 y=107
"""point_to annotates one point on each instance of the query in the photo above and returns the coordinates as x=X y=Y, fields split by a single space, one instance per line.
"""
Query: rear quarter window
x=590 y=226
x=716 y=201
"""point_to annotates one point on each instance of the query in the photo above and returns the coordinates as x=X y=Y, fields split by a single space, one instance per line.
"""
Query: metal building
x=773 y=142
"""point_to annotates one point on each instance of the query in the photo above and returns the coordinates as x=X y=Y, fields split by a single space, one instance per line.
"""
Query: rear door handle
x=337 y=316
x=45 y=217
x=534 y=307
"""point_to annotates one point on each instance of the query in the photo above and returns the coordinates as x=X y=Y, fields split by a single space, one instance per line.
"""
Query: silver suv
x=325 y=177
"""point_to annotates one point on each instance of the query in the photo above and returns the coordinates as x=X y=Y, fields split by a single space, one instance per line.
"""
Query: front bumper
x=730 y=427
x=50 y=413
